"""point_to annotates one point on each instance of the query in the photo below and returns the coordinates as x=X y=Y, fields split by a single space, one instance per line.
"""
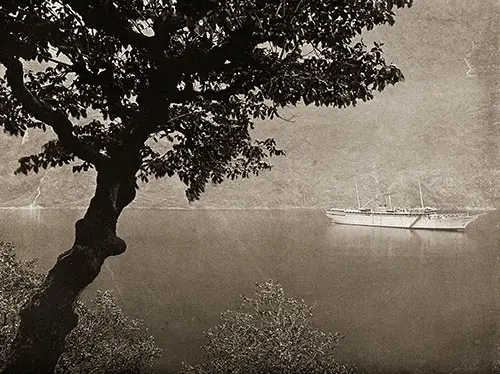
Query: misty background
x=441 y=124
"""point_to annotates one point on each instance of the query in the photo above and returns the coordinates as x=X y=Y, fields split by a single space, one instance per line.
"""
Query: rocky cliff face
x=441 y=124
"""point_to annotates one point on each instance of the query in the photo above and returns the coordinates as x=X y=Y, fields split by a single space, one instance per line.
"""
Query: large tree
x=192 y=75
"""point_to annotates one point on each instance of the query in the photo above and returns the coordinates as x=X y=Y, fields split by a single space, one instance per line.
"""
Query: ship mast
x=420 y=190
x=357 y=194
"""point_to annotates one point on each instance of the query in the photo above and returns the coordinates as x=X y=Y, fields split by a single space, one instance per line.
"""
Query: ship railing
x=449 y=215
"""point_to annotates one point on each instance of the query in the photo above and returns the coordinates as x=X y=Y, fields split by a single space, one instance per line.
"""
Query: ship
x=408 y=218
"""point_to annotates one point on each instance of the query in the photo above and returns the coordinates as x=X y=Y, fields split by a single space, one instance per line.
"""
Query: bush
x=17 y=282
x=269 y=334
x=104 y=341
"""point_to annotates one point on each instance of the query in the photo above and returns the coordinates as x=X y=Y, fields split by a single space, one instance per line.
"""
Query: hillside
x=441 y=124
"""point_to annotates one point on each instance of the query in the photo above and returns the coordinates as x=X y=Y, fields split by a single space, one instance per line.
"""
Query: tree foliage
x=269 y=334
x=144 y=89
x=105 y=340
x=115 y=77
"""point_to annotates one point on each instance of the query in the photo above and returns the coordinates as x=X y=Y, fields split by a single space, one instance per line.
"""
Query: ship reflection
x=383 y=241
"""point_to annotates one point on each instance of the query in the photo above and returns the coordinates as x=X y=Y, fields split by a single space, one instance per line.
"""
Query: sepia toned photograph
x=250 y=186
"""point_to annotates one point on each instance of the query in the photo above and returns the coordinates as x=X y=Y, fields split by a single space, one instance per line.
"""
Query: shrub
x=269 y=334
x=104 y=341
x=17 y=282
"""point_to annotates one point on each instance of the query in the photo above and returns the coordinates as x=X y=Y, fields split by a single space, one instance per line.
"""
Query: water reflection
x=382 y=241
x=420 y=300
x=31 y=214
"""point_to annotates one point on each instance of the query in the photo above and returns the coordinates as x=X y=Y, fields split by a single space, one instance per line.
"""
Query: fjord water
x=407 y=301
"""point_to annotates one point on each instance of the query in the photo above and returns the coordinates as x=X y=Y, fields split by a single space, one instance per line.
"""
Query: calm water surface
x=406 y=301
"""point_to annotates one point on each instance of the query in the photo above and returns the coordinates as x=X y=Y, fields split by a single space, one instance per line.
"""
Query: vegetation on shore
x=105 y=339
x=269 y=334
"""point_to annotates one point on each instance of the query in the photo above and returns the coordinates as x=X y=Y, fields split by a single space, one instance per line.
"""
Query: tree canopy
x=115 y=77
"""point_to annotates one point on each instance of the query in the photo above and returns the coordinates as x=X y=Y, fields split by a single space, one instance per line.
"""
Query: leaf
x=210 y=74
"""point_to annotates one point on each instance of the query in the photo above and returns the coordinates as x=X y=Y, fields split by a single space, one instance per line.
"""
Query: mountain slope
x=441 y=124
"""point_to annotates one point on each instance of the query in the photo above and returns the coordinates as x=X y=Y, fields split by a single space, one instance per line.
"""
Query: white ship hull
x=408 y=220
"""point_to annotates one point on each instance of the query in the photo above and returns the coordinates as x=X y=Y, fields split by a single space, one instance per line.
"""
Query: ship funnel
x=388 y=200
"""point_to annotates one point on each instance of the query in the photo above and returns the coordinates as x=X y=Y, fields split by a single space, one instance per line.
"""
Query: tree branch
x=104 y=17
x=58 y=121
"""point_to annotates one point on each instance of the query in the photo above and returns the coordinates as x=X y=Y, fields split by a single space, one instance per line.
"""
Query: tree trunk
x=49 y=316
